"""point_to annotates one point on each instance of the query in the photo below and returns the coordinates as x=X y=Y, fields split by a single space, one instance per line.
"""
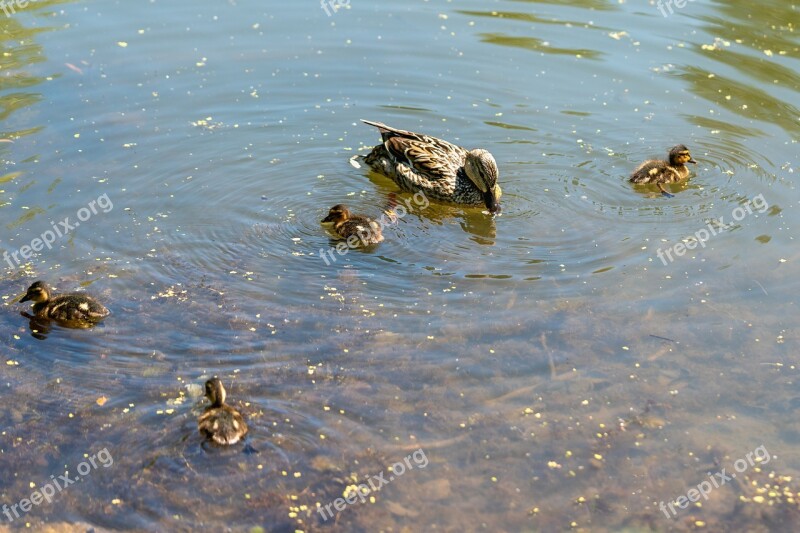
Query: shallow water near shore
x=568 y=365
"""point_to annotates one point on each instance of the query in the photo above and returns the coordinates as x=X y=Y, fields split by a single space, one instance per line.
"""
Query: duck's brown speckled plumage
x=659 y=172
x=346 y=225
x=442 y=170
x=220 y=423
x=66 y=308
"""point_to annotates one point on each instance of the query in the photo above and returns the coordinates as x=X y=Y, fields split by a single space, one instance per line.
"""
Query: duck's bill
x=327 y=220
x=692 y=161
x=492 y=204
x=25 y=298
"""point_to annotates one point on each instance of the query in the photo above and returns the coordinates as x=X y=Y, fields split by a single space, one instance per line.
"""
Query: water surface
x=555 y=372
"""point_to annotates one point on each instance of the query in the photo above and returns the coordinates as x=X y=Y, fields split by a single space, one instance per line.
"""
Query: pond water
x=577 y=363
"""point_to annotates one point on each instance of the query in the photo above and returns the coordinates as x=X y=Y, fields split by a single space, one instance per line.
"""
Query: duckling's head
x=215 y=392
x=38 y=292
x=338 y=213
x=481 y=169
x=679 y=156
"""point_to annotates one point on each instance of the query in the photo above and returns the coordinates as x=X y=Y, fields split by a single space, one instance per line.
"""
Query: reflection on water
x=555 y=372
x=532 y=43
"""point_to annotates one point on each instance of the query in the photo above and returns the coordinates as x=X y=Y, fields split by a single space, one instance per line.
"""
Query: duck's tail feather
x=356 y=160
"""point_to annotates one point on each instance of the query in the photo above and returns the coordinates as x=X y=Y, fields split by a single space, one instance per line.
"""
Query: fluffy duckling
x=440 y=169
x=346 y=225
x=67 y=308
x=659 y=172
x=220 y=423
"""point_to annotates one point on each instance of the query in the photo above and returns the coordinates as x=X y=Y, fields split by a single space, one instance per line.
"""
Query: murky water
x=550 y=370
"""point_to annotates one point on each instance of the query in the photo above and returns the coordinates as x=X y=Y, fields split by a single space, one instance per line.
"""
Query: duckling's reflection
x=41 y=327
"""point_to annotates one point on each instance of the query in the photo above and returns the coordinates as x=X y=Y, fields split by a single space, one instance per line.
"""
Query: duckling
x=440 y=169
x=71 y=309
x=346 y=225
x=660 y=172
x=220 y=423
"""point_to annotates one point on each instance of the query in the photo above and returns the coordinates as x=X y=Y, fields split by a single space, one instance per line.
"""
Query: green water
x=555 y=373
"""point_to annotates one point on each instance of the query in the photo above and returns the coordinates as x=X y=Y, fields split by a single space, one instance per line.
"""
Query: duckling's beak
x=492 y=204
x=25 y=298
x=692 y=161
x=328 y=219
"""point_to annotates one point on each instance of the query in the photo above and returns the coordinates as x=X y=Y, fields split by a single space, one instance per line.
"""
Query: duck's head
x=338 y=213
x=215 y=392
x=679 y=155
x=481 y=169
x=38 y=292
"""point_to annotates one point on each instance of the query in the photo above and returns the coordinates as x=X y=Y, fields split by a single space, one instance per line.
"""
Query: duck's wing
x=223 y=425
x=652 y=171
x=433 y=158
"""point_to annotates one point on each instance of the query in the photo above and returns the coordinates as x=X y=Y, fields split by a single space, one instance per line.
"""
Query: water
x=554 y=371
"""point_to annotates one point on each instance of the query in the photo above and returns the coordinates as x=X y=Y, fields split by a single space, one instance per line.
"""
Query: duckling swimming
x=220 y=423
x=441 y=170
x=74 y=310
x=346 y=225
x=660 y=172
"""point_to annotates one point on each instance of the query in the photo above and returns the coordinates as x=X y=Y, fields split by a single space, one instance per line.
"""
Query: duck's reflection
x=473 y=220
x=41 y=327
